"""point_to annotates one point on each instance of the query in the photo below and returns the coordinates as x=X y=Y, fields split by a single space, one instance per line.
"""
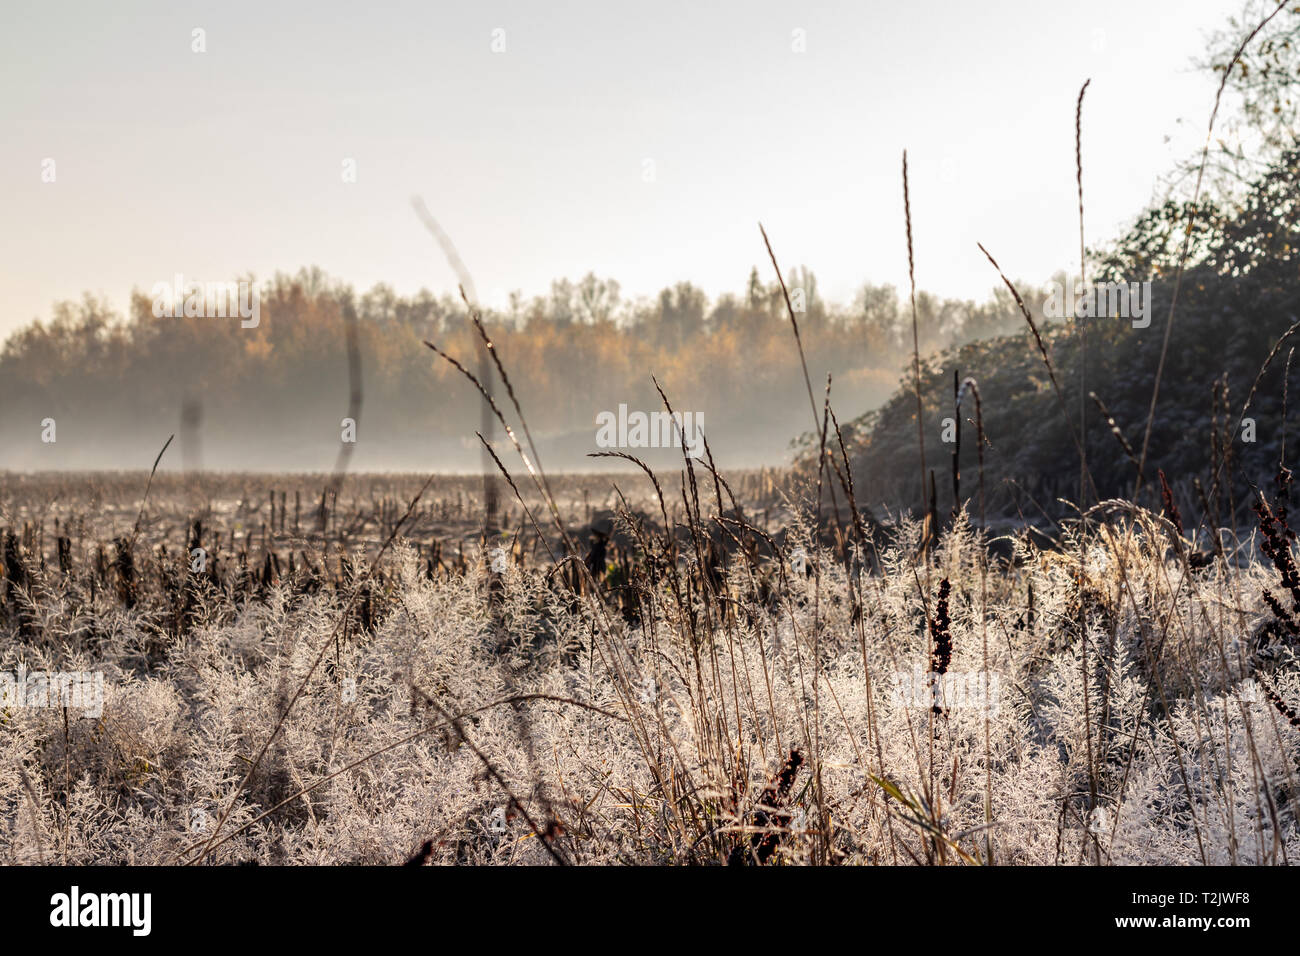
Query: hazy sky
x=534 y=158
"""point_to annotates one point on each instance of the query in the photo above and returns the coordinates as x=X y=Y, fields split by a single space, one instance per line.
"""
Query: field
x=698 y=683
x=1036 y=605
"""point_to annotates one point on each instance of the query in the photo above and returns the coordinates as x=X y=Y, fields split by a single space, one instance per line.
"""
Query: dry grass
x=678 y=681
x=555 y=722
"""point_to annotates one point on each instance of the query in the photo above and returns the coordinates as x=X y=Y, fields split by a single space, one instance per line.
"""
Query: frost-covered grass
x=1135 y=711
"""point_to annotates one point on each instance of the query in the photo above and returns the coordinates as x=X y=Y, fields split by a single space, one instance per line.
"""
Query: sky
x=640 y=141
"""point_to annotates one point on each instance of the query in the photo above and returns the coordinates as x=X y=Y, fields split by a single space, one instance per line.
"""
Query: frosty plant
x=733 y=694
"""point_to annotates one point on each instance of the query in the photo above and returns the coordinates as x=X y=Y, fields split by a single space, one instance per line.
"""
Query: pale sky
x=534 y=158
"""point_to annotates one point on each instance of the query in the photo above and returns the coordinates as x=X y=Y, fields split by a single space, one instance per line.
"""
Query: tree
x=681 y=314
x=597 y=298
x=1260 y=115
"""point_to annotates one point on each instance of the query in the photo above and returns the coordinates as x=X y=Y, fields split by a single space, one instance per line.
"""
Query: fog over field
x=576 y=435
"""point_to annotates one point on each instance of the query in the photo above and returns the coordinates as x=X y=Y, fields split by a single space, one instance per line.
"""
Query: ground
x=718 y=687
